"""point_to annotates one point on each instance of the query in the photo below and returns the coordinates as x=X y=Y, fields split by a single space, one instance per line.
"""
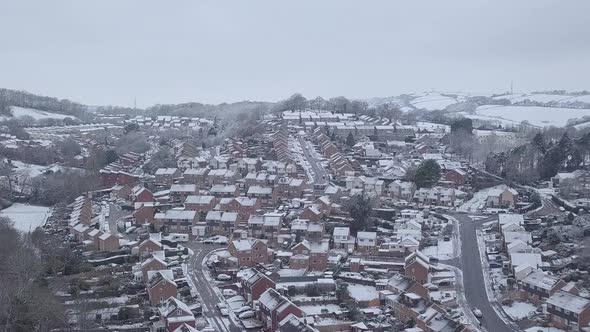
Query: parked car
x=223 y=309
x=477 y=313
x=242 y=309
x=229 y=292
x=223 y=277
x=246 y=314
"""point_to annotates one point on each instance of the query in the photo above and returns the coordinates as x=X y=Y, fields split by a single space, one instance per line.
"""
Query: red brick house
x=417 y=267
x=108 y=242
x=200 y=203
x=254 y=283
x=148 y=246
x=537 y=287
x=109 y=178
x=249 y=252
x=310 y=256
x=274 y=308
x=174 y=313
x=152 y=264
x=176 y=220
x=456 y=176
x=144 y=213
x=310 y=213
x=161 y=286
x=569 y=312
x=141 y=194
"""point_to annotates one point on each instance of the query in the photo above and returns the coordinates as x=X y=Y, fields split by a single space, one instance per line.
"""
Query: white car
x=229 y=292
x=477 y=313
x=243 y=309
x=246 y=314
x=223 y=277
x=223 y=309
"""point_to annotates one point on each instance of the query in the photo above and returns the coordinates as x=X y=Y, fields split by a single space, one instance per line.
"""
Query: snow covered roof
x=258 y=190
x=199 y=199
x=176 y=214
x=183 y=188
x=366 y=235
x=568 y=301
x=506 y=218
x=341 y=231
x=542 y=280
x=166 y=171
x=243 y=244
x=271 y=299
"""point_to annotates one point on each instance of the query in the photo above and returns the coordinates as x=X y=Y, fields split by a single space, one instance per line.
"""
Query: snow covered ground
x=312 y=310
x=442 y=251
x=543 y=329
x=535 y=115
x=362 y=292
x=26 y=217
x=546 y=98
x=35 y=114
x=519 y=310
x=433 y=101
x=479 y=199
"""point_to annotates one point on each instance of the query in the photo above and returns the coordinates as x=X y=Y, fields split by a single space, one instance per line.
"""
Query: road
x=320 y=176
x=473 y=280
x=206 y=291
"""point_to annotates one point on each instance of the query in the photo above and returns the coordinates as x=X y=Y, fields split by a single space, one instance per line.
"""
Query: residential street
x=206 y=291
x=473 y=280
x=320 y=176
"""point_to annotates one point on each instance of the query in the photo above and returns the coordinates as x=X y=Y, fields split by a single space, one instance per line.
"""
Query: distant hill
x=25 y=103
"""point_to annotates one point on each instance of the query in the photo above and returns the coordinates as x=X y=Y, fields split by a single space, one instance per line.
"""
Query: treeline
x=541 y=159
x=26 y=303
x=25 y=99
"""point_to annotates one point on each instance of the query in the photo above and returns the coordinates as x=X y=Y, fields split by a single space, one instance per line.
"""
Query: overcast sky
x=108 y=52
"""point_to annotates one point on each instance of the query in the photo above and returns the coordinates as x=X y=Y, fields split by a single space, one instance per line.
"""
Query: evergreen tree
x=350 y=140
x=427 y=174
x=539 y=142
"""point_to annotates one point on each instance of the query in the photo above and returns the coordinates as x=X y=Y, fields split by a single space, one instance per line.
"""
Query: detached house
x=366 y=242
x=161 y=286
x=249 y=252
x=274 y=308
x=343 y=239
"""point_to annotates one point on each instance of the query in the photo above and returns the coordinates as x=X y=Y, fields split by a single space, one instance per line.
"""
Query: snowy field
x=536 y=116
x=546 y=98
x=505 y=123
x=36 y=114
x=442 y=251
x=362 y=292
x=519 y=310
x=26 y=217
x=433 y=101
